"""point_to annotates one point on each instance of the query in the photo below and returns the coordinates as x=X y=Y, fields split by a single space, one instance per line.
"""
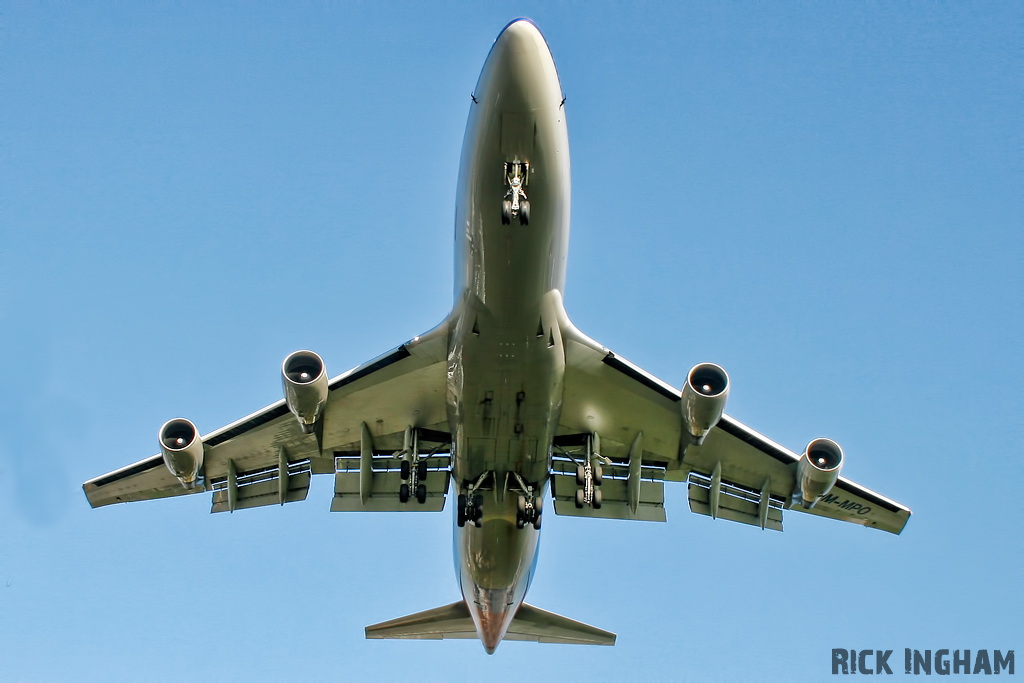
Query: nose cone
x=520 y=33
x=519 y=74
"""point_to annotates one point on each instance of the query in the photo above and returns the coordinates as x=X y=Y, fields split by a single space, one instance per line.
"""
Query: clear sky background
x=825 y=198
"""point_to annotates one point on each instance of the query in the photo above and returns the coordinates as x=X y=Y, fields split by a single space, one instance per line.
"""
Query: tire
x=524 y=212
x=598 y=475
x=538 y=505
x=581 y=475
x=520 y=506
x=403 y=493
x=519 y=522
x=421 y=493
x=405 y=467
x=597 y=499
x=536 y=522
x=506 y=212
x=421 y=470
x=460 y=513
x=477 y=523
x=579 y=499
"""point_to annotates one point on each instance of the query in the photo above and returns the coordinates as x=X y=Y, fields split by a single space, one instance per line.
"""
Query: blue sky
x=823 y=198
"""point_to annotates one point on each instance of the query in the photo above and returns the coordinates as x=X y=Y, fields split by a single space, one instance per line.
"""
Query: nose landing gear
x=517 y=176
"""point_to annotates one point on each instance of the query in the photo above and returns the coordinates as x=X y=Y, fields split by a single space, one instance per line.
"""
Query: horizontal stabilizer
x=450 y=621
x=454 y=621
x=535 y=624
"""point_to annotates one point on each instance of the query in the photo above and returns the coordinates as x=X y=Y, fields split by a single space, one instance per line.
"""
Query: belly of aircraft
x=506 y=361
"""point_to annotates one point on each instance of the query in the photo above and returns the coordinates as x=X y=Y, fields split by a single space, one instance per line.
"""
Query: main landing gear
x=413 y=470
x=517 y=175
x=471 y=504
x=528 y=505
x=528 y=501
x=471 y=509
x=588 y=477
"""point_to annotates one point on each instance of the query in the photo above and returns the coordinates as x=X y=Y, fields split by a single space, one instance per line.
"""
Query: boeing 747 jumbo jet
x=502 y=401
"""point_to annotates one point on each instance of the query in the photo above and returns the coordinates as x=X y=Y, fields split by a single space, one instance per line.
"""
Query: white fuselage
x=505 y=357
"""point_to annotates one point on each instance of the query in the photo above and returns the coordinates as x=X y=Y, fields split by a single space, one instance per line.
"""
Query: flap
x=386 y=480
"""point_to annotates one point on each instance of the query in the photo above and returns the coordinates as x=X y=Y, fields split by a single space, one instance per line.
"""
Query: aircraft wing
x=736 y=474
x=372 y=411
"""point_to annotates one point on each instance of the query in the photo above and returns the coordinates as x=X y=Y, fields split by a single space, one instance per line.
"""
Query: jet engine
x=304 y=378
x=704 y=397
x=182 y=450
x=818 y=470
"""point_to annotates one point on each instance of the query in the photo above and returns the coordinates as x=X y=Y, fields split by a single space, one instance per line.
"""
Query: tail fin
x=454 y=621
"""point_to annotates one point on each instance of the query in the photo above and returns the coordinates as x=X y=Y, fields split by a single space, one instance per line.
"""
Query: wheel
x=524 y=212
x=421 y=493
x=403 y=493
x=506 y=212
x=597 y=475
x=521 y=506
x=421 y=470
x=460 y=513
x=478 y=508
x=597 y=499
x=520 y=523
x=536 y=522
x=405 y=469
x=581 y=475
x=538 y=505
x=579 y=498
x=477 y=523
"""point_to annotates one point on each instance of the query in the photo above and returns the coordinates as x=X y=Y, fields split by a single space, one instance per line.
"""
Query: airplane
x=503 y=401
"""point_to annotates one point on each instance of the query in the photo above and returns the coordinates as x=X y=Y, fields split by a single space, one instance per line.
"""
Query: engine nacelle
x=304 y=378
x=818 y=470
x=182 y=450
x=704 y=397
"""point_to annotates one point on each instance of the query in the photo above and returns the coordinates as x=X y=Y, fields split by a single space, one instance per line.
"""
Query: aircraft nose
x=520 y=33
x=519 y=70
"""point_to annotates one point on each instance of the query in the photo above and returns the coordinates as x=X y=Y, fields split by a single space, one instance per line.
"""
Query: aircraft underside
x=505 y=403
